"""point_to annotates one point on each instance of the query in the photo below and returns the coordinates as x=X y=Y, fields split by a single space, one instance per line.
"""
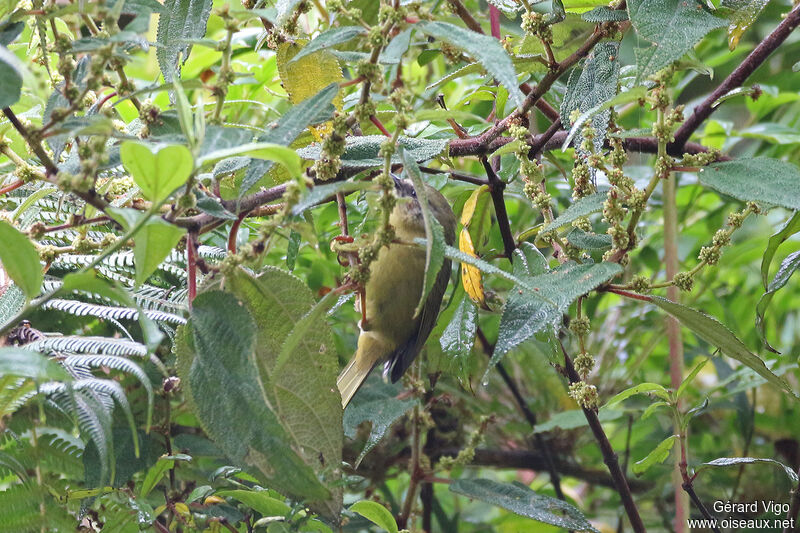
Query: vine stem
x=609 y=457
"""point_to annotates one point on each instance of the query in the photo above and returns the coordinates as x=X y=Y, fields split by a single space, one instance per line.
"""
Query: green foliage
x=735 y=178
x=20 y=260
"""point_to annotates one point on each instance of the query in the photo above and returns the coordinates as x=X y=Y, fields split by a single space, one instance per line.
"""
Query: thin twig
x=496 y=187
x=463 y=13
x=609 y=457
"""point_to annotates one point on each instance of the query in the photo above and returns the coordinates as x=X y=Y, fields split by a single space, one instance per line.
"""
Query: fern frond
x=93 y=345
x=103 y=311
x=11 y=301
x=156 y=298
x=14 y=392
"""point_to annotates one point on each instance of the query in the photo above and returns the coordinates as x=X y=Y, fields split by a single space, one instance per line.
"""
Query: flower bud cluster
x=333 y=146
x=584 y=394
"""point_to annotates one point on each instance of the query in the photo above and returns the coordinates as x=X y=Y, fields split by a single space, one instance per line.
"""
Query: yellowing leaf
x=469 y=205
x=470 y=275
x=307 y=76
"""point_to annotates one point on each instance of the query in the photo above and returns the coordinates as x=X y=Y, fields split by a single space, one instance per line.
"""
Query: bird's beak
x=397 y=180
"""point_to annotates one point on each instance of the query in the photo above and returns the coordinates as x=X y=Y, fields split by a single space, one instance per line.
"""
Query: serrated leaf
x=377 y=402
x=484 y=48
x=630 y=95
x=591 y=85
x=179 y=22
x=11 y=76
x=744 y=14
x=579 y=208
x=642 y=388
x=524 y=315
x=736 y=178
x=791 y=227
x=219 y=369
x=605 y=14
x=435 y=240
x=307 y=76
x=288 y=128
x=297 y=366
x=588 y=241
x=362 y=152
x=736 y=461
x=458 y=337
x=375 y=513
x=672 y=26
x=523 y=501
x=328 y=39
x=20 y=260
x=657 y=456
x=157 y=174
x=787 y=268
x=713 y=332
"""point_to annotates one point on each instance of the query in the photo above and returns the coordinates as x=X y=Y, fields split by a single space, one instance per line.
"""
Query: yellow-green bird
x=391 y=334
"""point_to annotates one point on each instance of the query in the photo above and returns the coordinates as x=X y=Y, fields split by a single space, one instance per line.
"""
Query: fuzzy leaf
x=361 y=152
x=791 y=227
x=378 y=404
x=760 y=179
x=580 y=208
x=375 y=513
x=713 y=332
x=10 y=78
x=27 y=364
x=523 y=501
x=672 y=26
x=328 y=39
x=485 y=49
x=745 y=13
x=459 y=336
x=179 y=23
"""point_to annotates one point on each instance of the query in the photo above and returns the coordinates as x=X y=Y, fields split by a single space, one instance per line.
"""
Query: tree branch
x=736 y=78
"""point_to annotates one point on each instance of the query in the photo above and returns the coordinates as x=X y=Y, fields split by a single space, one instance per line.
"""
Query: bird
x=390 y=333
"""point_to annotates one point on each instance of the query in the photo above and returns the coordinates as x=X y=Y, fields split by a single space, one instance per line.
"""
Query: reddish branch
x=736 y=78
x=12 y=187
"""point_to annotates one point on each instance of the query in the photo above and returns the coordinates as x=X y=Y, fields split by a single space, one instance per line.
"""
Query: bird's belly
x=398 y=271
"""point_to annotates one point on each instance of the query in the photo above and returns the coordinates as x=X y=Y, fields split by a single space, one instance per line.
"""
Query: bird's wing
x=402 y=357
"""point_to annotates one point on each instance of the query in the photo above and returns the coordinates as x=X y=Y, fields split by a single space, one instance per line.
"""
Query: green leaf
x=157 y=174
x=156 y=472
x=576 y=418
x=32 y=199
x=297 y=367
x=434 y=245
x=588 y=241
x=735 y=461
x=10 y=78
x=791 y=227
x=330 y=38
x=292 y=248
x=713 y=332
x=525 y=314
x=362 y=152
x=458 y=337
x=672 y=26
x=642 y=388
x=773 y=178
x=375 y=513
x=20 y=260
x=484 y=48
x=28 y=364
x=657 y=456
x=212 y=206
x=219 y=372
x=258 y=500
x=605 y=14
x=744 y=14
x=688 y=379
x=580 y=208
x=320 y=193
x=285 y=8
x=787 y=268
x=393 y=52
x=377 y=402
x=630 y=95
x=523 y=501
x=591 y=85
x=153 y=242
x=179 y=22
x=273 y=152
x=288 y=127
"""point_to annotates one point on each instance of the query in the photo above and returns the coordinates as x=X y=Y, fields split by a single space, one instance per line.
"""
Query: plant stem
x=496 y=187
x=609 y=457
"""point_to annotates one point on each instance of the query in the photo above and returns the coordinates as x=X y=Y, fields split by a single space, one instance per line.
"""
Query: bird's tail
x=371 y=349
